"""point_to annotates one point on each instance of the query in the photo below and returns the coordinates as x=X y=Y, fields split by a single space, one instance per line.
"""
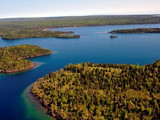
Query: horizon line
x=29 y=17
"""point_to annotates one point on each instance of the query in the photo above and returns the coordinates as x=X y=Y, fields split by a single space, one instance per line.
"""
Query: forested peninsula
x=12 y=59
x=21 y=34
x=101 y=91
x=138 y=30
x=20 y=28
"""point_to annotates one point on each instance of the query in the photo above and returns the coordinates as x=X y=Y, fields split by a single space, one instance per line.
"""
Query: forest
x=20 y=28
x=101 y=91
x=137 y=30
x=12 y=59
x=21 y=34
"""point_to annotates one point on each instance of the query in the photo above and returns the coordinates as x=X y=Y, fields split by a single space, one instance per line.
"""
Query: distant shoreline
x=137 y=30
x=38 y=28
x=46 y=29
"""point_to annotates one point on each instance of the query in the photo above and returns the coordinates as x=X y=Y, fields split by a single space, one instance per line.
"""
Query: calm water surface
x=93 y=46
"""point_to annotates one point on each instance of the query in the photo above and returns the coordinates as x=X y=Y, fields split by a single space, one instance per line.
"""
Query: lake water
x=93 y=46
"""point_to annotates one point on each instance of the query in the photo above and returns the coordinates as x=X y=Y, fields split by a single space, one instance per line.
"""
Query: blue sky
x=44 y=8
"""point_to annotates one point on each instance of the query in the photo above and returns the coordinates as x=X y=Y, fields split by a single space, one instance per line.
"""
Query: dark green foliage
x=101 y=91
x=34 y=27
x=41 y=23
x=68 y=36
x=138 y=30
x=21 y=34
x=12 y=58
x=113 y=36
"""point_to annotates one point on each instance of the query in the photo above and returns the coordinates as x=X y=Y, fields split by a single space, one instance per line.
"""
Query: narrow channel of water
x=94 y=45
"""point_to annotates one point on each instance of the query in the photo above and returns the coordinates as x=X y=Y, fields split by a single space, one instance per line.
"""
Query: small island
x=12 y=59
x=101 y=92
x=20 y=28
x=138 y=30
x=68 y=36
x=113 y=36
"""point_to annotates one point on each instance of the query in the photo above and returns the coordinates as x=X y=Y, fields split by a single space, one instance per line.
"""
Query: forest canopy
x=34 y=27
x=138 y=30
x=101 y=91
x=12 y=59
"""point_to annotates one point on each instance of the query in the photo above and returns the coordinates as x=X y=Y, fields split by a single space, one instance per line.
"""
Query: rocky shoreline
x=46 y=108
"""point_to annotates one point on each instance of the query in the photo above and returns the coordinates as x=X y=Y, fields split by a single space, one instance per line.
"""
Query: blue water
x=93 y=46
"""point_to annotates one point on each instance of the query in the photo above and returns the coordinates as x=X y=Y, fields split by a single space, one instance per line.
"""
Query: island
x=13 y=58
x=20 y=28
x=21 y=34
x=113 y=36
x=96 y=91
x=68 y=36
x=138 y=30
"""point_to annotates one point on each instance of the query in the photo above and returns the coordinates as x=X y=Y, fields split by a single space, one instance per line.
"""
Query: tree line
x=12 y=59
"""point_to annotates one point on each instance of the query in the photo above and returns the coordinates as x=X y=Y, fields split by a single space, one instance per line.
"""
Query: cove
x=94 y=45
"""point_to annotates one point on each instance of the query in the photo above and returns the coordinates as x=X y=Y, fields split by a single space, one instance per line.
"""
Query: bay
x=94 y=45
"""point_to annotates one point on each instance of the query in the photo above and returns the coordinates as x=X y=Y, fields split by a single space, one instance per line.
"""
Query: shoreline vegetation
x=22 y=34
x=13 y=58
x=33 y=108
x=86 y=90
x=20 y=28
x=101 y=91
x=138 y=30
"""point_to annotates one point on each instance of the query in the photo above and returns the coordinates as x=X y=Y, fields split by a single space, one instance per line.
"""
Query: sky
x=52 y=8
